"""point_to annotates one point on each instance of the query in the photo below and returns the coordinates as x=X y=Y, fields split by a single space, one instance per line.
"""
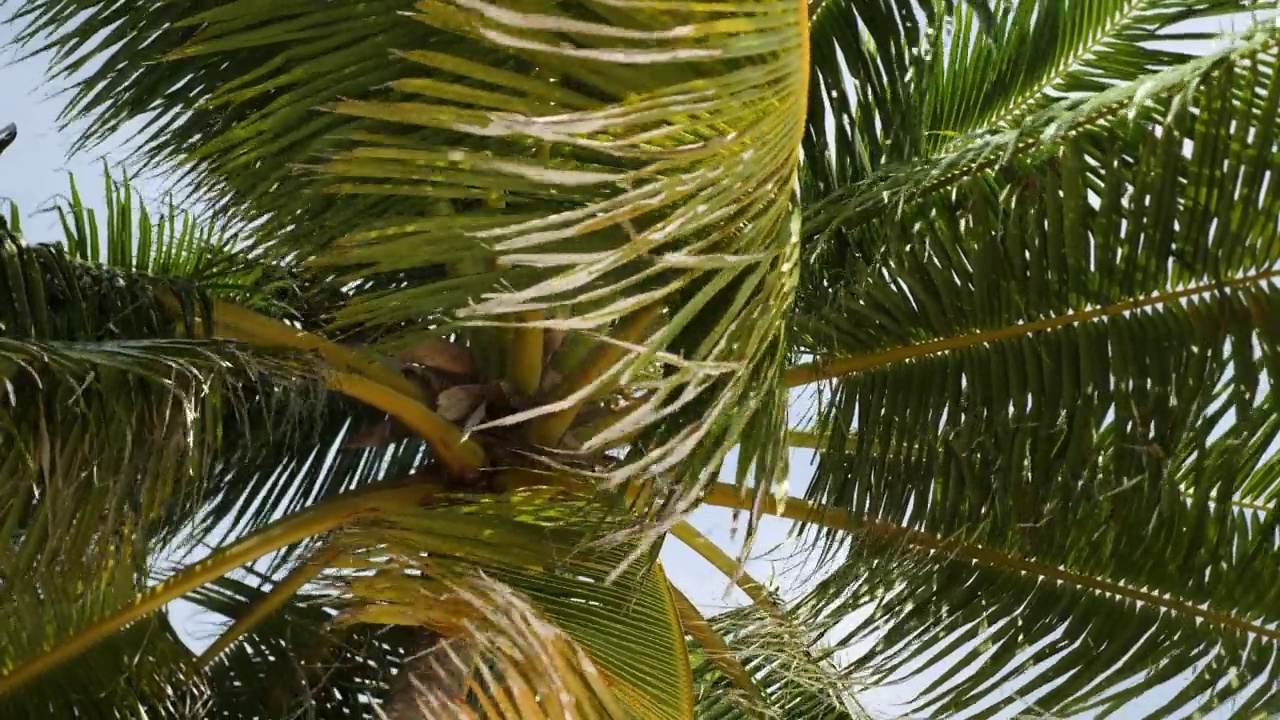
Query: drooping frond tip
x=8 y=134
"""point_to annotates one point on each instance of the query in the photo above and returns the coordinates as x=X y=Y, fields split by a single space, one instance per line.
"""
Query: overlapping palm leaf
x=111 y=413
x=792 y=671
x=868 y=61
x=460 y=580
x=1059 y=356
x=585 y=173
x=1061 y=258
x=943 y=73
x=243 y=110
x=1148 y=98
x=610 y=209
x=982 y=78
x=101 y=332
x=143 y=670
x=296 y=662
x=418 y=568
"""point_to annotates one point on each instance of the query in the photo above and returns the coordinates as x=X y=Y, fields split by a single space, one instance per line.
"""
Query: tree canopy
x=485 y=296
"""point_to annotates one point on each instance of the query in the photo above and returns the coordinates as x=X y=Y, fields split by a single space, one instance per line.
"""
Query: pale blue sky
x=34 y=171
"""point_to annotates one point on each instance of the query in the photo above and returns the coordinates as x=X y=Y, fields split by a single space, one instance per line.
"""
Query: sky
x=33 y=173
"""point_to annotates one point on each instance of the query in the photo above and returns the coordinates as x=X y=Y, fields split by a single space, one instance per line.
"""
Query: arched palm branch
x=498 y=286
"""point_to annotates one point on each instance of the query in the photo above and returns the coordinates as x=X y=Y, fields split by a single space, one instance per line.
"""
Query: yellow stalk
x=709 y=551
x=269 y=603
x=313 y=521
x=360 y=378
x=833 y=368
x=524 y=361
x=804 y=439
x=726 y=495
x=485 y=343
x=237 y=323
x=716 y=648
x=459 y=455
x=547 y=430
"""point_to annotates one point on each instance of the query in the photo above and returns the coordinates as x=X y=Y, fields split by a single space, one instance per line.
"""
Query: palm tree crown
x=487 y=295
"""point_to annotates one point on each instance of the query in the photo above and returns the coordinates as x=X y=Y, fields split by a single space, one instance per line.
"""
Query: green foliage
x=49 y=594
x=796 y=675
x=517 y=139
x=528 y=545
x=1062 y=339
x=297 y=663
x=1033 y=253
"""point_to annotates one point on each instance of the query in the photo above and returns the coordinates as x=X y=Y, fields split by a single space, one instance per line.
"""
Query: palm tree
x=487 y=294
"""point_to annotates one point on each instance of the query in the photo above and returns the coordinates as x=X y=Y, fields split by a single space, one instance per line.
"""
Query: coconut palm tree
x=486 y=295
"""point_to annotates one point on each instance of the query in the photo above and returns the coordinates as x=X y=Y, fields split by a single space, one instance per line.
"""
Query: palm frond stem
x=728 y=496
x=715 y=647
x=524 y=361
x=264 y=606
x=550 y=428
x=317 y=519
x=239 y=323
x=829 y=369
x=804 y=439
x=732 y=569
x=456 y=452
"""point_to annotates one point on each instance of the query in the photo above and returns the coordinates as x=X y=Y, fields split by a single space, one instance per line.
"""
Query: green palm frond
x=1073 y=317
x=411 y=559
x=796 y=676
x=10 y=227
x=513 y=663
x=760 y=660
x=244 y=112
x=901 y=83
x=47 y=597
x=109 y=415
x=405 y=568
x=296 y=662
x=281 y=441
x=112 y=609
x=573 y=168
x=178 y=244
x=163 y=400
x=981 y=636
x=1096 y=117
x=606 y=209
x=140 y=671
x=867 y=62
x=1041 y=52
x=909 y=604
x=1063 y=360
x=173 y=244
x=539 y=618
x=67 y=479
x=88 y=345
x=504 y=254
